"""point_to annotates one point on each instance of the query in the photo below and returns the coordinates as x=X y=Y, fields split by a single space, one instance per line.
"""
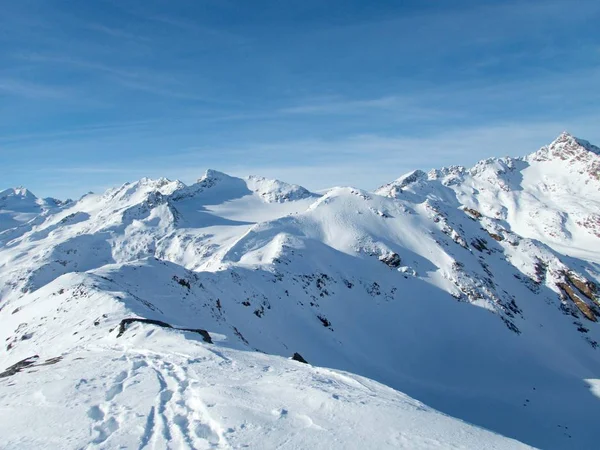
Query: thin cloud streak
x=193 y=27
x=20 y=88
x=116 y=32
x=141 y=79
x=84 y=130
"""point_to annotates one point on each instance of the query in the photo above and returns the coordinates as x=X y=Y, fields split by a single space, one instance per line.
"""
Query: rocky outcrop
x=581 y=305
x=17 y=367
x=473 y=213
x=391 y=259
x=126 y=322
x=298 y=357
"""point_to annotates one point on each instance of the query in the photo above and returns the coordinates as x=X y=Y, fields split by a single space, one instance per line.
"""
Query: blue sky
x=316 y=92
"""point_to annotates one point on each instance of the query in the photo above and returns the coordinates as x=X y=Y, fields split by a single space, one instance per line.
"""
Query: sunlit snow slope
x=472 y=290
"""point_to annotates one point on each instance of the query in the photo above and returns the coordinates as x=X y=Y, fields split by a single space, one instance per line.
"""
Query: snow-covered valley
x=473 y=291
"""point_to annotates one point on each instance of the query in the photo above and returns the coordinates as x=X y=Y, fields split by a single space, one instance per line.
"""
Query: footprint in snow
x=116 y=388
x=203 y=431
x=105 y=429
x=280 y=413
x=95 y=413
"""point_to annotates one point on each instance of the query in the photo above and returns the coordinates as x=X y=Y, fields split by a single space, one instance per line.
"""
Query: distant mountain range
x=473 y=290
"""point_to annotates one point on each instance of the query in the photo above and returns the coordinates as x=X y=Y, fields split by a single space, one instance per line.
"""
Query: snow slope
x=157 y=388
x=472 y=290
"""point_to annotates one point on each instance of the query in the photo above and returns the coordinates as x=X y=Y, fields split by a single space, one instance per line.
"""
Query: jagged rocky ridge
x=474 y=290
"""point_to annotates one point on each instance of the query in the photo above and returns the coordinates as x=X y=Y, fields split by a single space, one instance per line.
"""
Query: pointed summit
x=566 y=147
x=396 y=186
x=20 y=192
x=214 y=175
x=212 y=178
x=567 y=141
x=563 y=137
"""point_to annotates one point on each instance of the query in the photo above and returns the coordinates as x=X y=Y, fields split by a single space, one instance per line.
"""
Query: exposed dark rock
x=480 y=244
x=473 y=213
x=239 y=335
x=324 y=321
x=511 y=326
x=182 y=281
x=373 y=289
x=591 y=223
x=126 y=322
x=259 y=312
x=205 y=336
x=391 y=259
x=50 y=361
x=568 y=309
x=26 y=363
x=586 y=287
x=298 y=357
x=581 y=305
x=17 y=367
x=496 y=237
x=540 y=271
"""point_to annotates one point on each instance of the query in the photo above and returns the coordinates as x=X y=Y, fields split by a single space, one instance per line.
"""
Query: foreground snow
x=154 y=389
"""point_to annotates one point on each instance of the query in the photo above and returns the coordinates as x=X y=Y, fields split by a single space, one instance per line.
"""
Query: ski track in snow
x=178 y=419
x=183 y=416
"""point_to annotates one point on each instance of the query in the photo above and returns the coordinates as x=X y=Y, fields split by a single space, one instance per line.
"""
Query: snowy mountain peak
x=19 y=205
x=567 y=142
x=411 y=177
x=276 y=191
x=141 y=190
x=567 y=147
x=19 y=192
x=396 y=186
x=566 y=139
x=212 y=176
x=215 y=179
x=269 y=190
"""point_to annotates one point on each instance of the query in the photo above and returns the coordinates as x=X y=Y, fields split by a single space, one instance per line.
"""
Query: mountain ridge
x=473 y=290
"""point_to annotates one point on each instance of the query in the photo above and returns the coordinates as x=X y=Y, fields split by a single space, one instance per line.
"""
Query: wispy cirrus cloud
x=21 y=88
x=80 y=132
x=198 y=29
x=338 y=105
x=116 y=33
x=397 y=107
x=134 y=78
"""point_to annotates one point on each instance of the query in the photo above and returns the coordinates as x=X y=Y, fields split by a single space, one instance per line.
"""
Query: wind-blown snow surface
x=472 y=290
x=157 y=390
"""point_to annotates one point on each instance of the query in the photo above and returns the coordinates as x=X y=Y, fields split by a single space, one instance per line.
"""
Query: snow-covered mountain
x=18 y=207
x=473 y=290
